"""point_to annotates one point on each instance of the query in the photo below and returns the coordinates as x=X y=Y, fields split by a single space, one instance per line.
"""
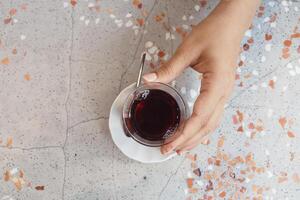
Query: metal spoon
x=137 y=85
x=141 y=70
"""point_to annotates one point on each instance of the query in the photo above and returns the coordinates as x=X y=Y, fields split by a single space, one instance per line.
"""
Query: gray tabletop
x=62 y=63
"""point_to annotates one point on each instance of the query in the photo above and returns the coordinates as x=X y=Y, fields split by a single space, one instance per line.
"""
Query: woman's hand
x=211 y=49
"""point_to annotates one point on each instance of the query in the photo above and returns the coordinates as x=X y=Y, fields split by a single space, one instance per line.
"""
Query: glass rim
x=127 y=107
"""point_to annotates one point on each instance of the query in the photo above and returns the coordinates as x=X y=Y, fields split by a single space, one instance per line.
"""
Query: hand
x=211 y=49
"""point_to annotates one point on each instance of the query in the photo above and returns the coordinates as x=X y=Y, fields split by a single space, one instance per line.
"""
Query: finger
x=189 y=148
x=214 y=119
x=213 y=89
x=212 y=92
x=174 y=67
x=188 y=130
x=169 y=70
x=209 y=127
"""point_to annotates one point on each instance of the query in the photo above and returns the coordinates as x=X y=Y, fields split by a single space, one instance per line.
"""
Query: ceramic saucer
x=127 y=145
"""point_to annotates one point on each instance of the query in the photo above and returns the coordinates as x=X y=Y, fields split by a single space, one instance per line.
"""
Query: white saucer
x=127 y=145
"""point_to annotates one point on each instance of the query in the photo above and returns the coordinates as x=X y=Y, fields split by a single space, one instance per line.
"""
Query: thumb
x=169 y=70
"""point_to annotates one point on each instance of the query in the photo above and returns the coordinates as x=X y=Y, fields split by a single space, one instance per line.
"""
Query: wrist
x=234 y=15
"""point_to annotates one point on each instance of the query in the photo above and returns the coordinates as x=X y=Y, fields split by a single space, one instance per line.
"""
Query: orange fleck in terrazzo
x=161 y=54
x=159 y=17
x=282 y=179
x=296 y=178
x=140 y=21
x=23 y=6
x=181 y=32
x=193 y=190
x=203 y=3
x=286 y=55
x=285 y=50
x=287 y=43
x=7 y=20
x=5 y=61
x=268 y=37
x=250 y=40
x=192 y=157
x=9 y=142
x=282 y=121
x=14 y=51
x=27 y=77
x=295 y=35
x=251 y=125
x=240 y=129
x=260 y=12
x=240 y=116
x=247 y=76
x=12 y=11
x=221 y=141
x=241 y=63
x=190 y=182
x=272 y=84
x=222 y=194
x=18 y=182
x=6 y=176
x=290 y=134
x=137 y=3
x=21 y=173
x=231 y=164
x=234 y=119
x=73 y=2
x=16 y=177
x=259 y=128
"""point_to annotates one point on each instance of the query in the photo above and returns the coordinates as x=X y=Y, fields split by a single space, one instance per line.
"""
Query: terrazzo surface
x=62 y=63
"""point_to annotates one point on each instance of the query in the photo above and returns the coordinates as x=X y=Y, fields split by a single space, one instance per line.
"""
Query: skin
x=212 y=49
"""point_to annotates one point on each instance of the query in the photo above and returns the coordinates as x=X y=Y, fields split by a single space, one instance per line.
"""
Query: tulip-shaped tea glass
x=153 y=114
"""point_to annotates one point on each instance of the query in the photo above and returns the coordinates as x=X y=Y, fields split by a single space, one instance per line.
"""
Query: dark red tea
x=154 y=115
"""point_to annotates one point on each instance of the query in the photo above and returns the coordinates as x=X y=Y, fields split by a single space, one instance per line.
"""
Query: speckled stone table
x=62 y=63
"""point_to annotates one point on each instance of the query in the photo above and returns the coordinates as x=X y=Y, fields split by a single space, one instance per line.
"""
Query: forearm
x=236 y=14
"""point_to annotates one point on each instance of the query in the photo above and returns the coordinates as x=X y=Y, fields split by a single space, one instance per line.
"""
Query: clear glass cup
x=169 y=136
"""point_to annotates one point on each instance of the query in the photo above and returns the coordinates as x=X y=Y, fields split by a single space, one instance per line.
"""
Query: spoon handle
x=141 y=70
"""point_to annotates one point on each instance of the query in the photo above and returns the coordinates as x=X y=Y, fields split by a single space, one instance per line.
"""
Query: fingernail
x=150 y=77
x=169 y=149
x=162 y=151
x=165 y=150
